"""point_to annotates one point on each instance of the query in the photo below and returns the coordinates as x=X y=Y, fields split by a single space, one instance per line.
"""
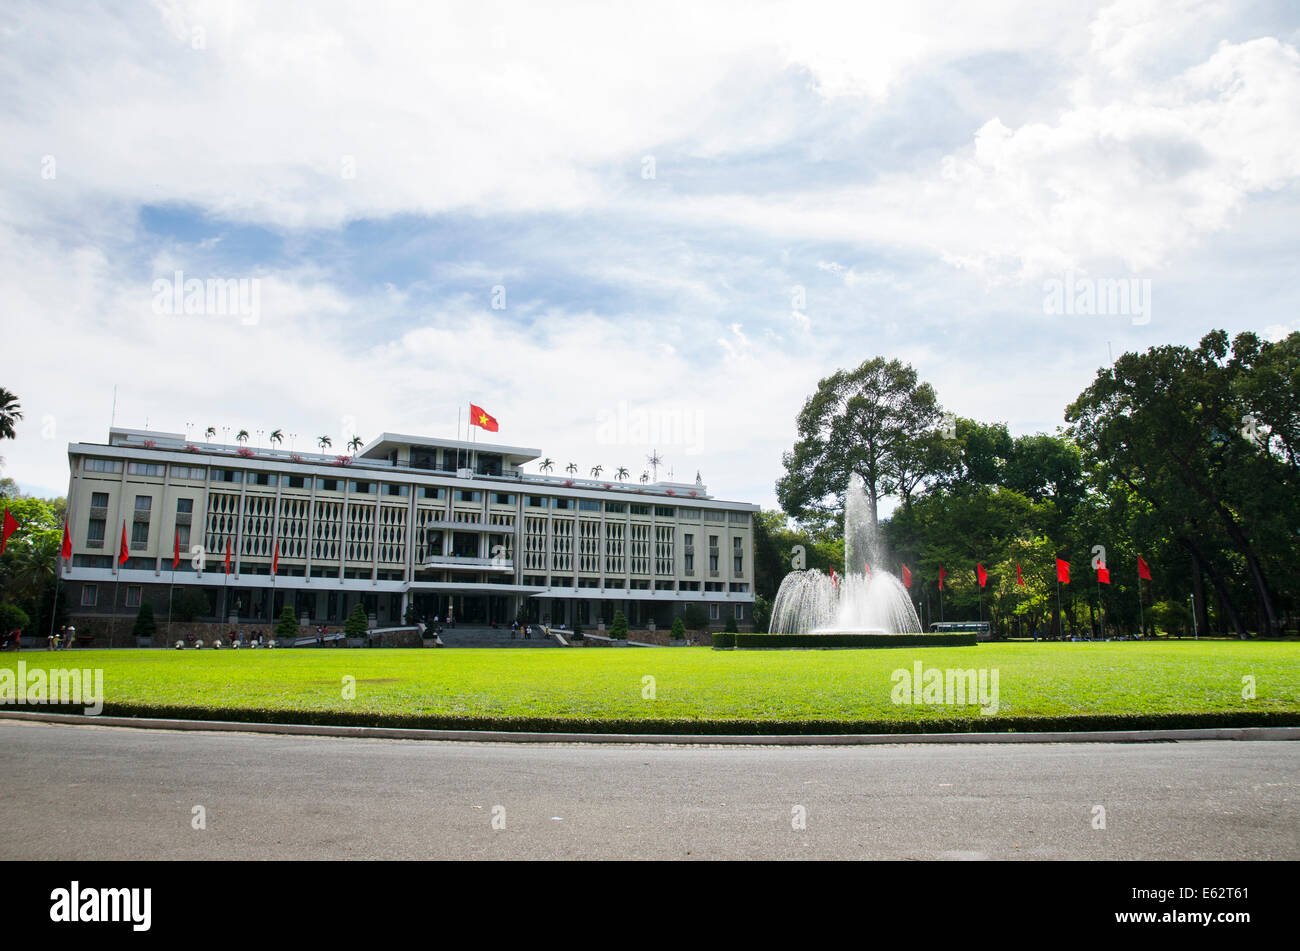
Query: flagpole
x=1142 y=628
x=118 y=573
x=54 y=608
x=171 y=593
x=1101 y=623
x=1060 y=621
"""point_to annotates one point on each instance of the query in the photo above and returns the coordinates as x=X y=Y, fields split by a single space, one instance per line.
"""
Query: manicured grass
x=1041 y=686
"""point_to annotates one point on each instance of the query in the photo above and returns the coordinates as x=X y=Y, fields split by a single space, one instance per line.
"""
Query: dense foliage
x=1184 y=456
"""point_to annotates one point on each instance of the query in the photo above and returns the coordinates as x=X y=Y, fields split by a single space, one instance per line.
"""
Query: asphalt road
x=77 y=793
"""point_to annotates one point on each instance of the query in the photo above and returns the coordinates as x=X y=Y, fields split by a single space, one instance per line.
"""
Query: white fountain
x=862 y=601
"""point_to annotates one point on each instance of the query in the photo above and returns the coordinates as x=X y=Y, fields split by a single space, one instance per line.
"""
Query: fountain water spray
x=811 y=602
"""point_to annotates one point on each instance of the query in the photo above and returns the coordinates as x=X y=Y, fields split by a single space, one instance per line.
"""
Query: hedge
x=999 y=724
x=815 y=641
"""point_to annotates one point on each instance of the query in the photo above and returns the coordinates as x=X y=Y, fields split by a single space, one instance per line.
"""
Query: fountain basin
x=851 y=640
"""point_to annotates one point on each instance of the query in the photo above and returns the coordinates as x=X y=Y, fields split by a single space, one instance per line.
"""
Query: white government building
x=438 y=524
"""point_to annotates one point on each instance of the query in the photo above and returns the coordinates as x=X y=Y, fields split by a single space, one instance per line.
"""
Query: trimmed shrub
x=144 y=625
x=287 y=626
x=357 y=623
x=618 y=629
x=723 y=639
x=679 y=630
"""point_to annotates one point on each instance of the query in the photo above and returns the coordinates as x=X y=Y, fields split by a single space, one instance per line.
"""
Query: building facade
x=441 y=526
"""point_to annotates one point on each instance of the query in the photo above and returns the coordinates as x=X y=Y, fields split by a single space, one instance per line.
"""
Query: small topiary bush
x=618 y=629
x=723 y=639
x=679 y=630
x=144 y=624
x=357 y=623
x=287 y=626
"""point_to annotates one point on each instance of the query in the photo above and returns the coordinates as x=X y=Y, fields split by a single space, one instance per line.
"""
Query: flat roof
x=385 y=443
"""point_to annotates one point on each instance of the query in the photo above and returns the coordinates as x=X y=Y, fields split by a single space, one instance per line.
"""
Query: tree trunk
x=1201 y=569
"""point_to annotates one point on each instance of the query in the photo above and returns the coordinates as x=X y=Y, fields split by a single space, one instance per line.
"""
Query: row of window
x=363 y=487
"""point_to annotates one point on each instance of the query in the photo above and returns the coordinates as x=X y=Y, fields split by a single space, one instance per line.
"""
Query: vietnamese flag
x=124 y=554
x=907 y=577
x=1062 y=571
x=866 y=569
x=176 y=550
x=1103 y=574
x=477 y=417
x=981 y=574
x=835 y=579
x=942 y=574
x=275 y=557
x=1020 y=579
x=11 y=526
x=227 y=554
x=1144 y=570
x=66 y=550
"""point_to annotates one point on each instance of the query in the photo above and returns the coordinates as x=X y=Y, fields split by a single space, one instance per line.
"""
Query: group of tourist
x=516 y=627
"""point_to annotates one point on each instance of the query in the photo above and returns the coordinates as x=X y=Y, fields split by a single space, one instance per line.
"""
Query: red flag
x=477 y=417
x=227 y=554
x=866 y=569
x=11 y=526
x=1144 y=570
x=835 y=579
x=176 y=550
x=907 y=577
x=1062 y=571
x=124 y=555
x=942 y=574
x=66 y=550
x=1020 y=579
x=275 y=557
x=981 y=574
x=1103 y=574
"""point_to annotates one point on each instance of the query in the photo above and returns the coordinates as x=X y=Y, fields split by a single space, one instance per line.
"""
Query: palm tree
x=596 y=471
x=355 y=443
x=571 y=468
x=209 y=433
x=547 y=464
x=241 y=437
x=9 y=412
x=645 y=477
x=620 y=473
x=276 y=437
x=324 y=442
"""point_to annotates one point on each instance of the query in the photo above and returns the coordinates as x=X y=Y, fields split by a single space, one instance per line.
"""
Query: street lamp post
x=1195 y=634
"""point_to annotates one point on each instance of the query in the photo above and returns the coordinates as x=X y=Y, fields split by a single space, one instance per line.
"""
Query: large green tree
x=1205 y=438
x=877 y=421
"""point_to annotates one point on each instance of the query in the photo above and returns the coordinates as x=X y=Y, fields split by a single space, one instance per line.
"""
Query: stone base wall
x=208 y=631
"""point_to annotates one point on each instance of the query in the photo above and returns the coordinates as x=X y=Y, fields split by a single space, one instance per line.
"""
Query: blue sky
x=694 y=211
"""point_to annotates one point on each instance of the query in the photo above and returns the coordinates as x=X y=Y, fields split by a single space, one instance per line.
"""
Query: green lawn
x=1058 y=686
